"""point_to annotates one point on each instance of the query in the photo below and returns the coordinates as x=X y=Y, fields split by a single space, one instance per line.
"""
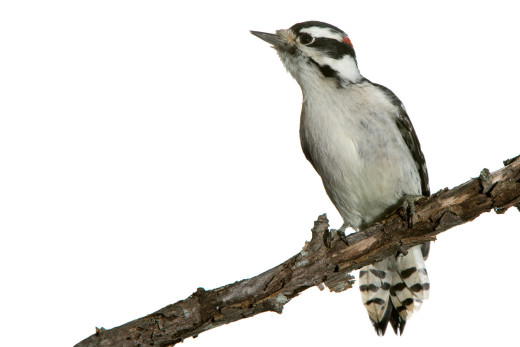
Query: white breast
x=358 y=151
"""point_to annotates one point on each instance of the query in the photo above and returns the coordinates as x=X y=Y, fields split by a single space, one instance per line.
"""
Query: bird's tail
x=393 y=288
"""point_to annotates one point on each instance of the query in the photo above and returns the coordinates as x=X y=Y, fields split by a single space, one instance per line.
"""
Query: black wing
x=410 y=138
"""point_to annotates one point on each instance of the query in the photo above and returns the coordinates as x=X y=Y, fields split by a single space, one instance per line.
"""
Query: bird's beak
x=273 y=39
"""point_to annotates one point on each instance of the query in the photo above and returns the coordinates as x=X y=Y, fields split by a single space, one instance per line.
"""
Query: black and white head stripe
x=324 y=48
x=298 y=27
x=325 y=37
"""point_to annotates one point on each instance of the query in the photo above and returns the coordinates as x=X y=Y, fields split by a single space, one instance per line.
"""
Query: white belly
x=359 y=153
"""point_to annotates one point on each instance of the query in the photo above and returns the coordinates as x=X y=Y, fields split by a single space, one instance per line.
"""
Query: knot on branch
x=321 y=242
x=320 y=235
x=485 y=181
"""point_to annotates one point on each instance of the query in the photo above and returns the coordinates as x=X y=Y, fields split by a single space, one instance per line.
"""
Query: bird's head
x=315 y=52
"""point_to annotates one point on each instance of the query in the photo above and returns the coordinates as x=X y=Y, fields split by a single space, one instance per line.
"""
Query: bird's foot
x=342 y=236
x=334 y=234
x=409 y=207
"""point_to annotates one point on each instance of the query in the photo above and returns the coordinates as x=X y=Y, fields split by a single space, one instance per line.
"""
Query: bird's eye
x=306 y=39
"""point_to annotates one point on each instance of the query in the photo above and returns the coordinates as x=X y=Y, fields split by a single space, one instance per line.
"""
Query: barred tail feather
x=403 y=303
x=374 y=283
x=393 y=288
x=412 y=270
x=411 y=286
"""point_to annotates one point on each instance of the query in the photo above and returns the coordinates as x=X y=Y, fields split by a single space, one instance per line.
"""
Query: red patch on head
x=348 y=42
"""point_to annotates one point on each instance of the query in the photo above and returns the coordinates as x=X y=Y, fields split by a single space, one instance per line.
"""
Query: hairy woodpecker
x=358 y=137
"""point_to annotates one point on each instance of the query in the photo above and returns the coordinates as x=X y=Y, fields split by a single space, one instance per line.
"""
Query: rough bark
x=325 y=259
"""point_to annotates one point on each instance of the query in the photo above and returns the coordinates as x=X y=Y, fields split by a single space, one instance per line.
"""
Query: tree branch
x=325 y=259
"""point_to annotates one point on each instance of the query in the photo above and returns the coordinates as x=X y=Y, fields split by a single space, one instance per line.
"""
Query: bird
x=358 y=137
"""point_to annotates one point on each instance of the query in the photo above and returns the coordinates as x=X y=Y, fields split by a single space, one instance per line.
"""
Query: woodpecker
x=358 y=137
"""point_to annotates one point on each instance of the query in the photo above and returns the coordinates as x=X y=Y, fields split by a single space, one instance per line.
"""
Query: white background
x=148 y=148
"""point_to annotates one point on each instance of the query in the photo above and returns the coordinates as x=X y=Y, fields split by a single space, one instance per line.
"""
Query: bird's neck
x=330 y=74
x=346 y=68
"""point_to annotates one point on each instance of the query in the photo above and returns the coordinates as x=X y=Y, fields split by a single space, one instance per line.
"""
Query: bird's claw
x=409 y=207
x=342 y=236
x=341 y=233
x=333 y=234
